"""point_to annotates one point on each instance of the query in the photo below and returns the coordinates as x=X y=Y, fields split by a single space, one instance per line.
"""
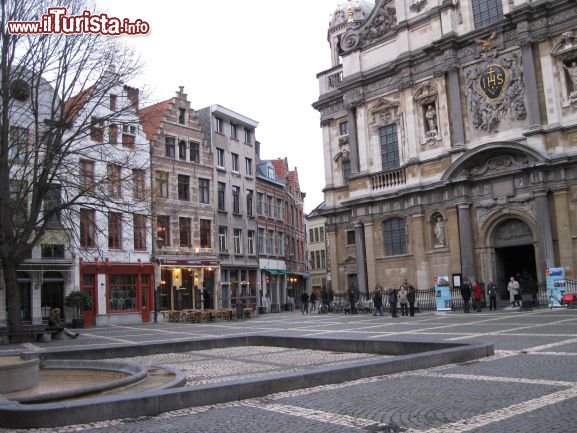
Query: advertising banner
x=555 y=278
x=442 y=293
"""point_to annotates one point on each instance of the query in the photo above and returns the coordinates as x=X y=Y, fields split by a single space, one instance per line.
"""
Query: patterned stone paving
x=529 y=386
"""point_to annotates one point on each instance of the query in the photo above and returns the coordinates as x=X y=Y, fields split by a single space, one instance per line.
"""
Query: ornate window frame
x=427 y=96
x=563 y=53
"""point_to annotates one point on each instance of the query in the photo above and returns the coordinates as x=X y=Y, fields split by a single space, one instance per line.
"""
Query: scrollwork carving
x=379 y=24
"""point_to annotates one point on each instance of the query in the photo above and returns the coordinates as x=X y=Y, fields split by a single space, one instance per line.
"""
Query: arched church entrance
x=514 y=247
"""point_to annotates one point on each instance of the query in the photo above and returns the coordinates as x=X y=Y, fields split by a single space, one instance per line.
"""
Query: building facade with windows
x=316 y=251
x=183 y=200
x=231 y=139
x=271 y=238
x=112 y=227
x=449 y=140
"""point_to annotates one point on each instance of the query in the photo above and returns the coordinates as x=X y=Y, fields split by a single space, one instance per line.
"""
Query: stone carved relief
x=524 y=203
x=418 y=6
x=438 y=224
x=506 y=162
x=512 y=231
x=565 y=55
x=385 y=112
x=380 y=23
x=486 y=113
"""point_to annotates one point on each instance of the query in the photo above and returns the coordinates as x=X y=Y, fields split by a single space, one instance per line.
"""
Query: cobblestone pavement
x=529 y=386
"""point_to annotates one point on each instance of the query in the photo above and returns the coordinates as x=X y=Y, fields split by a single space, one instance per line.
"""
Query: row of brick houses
x=194 y=221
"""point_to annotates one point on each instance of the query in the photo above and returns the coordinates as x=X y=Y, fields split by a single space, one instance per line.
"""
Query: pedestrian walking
x=304 y=303
x=403 y=300
x=378 y=300
x=477 y=296
x=492 y=292
x=313 y=301
x=466 y=294
x=392 y=293
x=55 y=323
x=411 y=295
x=352 y=301
x=514 y=292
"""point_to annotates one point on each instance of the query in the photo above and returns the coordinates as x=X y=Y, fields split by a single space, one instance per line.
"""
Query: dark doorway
x=512 y=261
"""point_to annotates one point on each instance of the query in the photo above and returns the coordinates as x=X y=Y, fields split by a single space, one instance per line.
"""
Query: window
x=486 y=12
x=318 y=259
x=128 y=135
x=86 y=174
x=113 y=134
x=280 y=245
x=181 y=115
x=87 y=228
x=169 y=143
x=316 y=231
x=163 y=229
x=184 y=227
x=236 y=199
x=123 y=291
x=270 y=173
x=234 y=159
x=247 y=134
x=268 y=209
x=350 y=237
x=395 y=237
x=220 y=157
x=221 y=196
x=219 y=125
x=114 y=230
x=233 y=131
x=280 y=208
x=389 y=147
x=248 y=166
x=139 y=232
x=237 y=238
x=194 y=151
x=259 y=202
x=139 y=181
x=52 y=251
x=222 y=239
x=113 y=99
x=97 y=129
x=346 y=170
x=261 y=241
x=250 y=242
x=311 y=237
x=18 y=142
x=53 y=200
x=205 y=234
x=269 y=242
x=249 y=202
x=344 y=128
x=203 y=191
x=162 y=184
x=312 y=260
x=182 y=150
x=323 y=263
x=321 y=234
x=183 y=187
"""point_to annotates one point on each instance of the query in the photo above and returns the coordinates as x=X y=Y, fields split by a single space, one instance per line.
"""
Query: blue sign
x=442 y=293
x=555 y=278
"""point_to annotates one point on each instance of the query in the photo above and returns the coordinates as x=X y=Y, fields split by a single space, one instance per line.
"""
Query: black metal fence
x=425 y=299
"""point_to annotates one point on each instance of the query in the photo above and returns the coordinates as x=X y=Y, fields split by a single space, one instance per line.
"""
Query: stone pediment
x=349 y=260
x=381 y=22
x=384 y=112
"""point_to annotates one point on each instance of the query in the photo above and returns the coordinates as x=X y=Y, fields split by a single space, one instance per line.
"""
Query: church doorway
x=514 y=253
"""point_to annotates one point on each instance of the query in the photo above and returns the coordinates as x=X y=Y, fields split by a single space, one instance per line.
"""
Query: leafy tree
x=51 y=88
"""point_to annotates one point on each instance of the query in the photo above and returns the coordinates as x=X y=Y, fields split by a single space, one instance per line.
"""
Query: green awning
x=275 y=271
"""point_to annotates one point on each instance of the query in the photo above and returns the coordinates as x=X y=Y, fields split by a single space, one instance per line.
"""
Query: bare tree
x=53 y=88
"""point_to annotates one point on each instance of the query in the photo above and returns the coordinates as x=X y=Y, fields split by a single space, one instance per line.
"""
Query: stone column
x=370 y=255
x=353 y=143
x=466 y=241
x=455 y=108
x=361 y=257
x=545 y=236
x=418 y=247
x=530 y=80
x=563 y=224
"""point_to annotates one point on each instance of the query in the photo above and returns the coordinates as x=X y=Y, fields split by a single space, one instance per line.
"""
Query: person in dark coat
x=393 y=301
x=55 y=323
x=352 y=301
x=304 y=302
x=466 y=294
x=411 y=297
x=492 y=292
x=378 y=300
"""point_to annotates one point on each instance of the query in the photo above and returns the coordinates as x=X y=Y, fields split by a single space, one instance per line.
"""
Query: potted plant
x=79 y=301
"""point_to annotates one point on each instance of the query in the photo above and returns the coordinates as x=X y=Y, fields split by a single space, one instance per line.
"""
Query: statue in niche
x=439 y=231
x=572 y=72
x=431 y=115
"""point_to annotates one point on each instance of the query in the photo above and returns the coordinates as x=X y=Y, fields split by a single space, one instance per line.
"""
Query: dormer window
x=344 y=128
x=181 y=115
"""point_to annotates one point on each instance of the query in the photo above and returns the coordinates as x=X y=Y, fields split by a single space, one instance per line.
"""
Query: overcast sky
x=256 y=57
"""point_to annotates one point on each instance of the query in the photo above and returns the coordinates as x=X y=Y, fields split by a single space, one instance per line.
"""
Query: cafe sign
x=492 y=81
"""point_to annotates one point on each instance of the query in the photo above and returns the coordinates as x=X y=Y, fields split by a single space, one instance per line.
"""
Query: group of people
x=403 y=297
x=308 y=302
x=473 y=290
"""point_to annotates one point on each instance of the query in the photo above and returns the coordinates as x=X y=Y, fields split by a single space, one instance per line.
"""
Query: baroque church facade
x=450 y=141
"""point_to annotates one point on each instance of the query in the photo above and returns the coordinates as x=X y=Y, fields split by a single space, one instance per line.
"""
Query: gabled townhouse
x=316 y=251
x=183 y=202
x=231 y=139
x=270 y=213
x=111 y=223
